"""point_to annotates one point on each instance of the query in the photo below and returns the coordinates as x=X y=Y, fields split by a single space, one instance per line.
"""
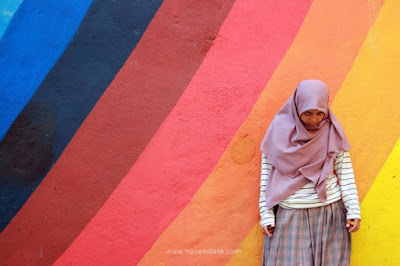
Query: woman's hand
x=268 y=230
x=353 y=225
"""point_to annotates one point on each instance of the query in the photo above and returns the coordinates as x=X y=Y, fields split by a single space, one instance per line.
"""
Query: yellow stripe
x=367 y=104
x=250 y=249
x=378 y=241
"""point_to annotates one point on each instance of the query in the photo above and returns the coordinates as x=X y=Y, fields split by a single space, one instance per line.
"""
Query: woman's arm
x=267 y=216
x=345 y=173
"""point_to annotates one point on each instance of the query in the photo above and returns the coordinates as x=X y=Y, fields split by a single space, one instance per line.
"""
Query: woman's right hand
x=268 y=230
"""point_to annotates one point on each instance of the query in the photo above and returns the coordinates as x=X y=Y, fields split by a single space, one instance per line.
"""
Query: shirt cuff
x=350 y=216
x=270 y=220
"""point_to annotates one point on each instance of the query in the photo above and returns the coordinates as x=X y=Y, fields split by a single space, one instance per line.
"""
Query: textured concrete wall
x=7 y=10
x=130 y=129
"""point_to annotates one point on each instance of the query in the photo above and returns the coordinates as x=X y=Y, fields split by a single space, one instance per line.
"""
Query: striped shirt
x=307 y=197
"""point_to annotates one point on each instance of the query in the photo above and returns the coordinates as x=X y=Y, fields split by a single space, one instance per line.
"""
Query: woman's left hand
x=353 y=227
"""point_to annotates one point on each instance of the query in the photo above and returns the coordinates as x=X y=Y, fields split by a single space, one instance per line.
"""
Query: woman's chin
x=311 y=126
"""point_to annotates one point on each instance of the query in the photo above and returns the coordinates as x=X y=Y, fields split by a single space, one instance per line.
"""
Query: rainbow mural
x=130 y=130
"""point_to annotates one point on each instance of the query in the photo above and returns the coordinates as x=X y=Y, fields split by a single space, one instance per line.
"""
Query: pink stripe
x=189 y=143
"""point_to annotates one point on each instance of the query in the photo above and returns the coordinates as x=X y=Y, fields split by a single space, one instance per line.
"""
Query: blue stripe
x=33 y=42
x=7 y=10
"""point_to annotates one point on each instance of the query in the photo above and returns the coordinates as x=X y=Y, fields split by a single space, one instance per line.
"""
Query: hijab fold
x=299 y=153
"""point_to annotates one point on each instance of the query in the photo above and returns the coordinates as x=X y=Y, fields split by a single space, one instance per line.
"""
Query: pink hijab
x=300 y=154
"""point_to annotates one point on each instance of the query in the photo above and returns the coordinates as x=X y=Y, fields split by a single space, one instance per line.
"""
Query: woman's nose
x=314 y=119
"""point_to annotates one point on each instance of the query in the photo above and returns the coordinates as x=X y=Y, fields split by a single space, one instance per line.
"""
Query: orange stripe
x=224 y=210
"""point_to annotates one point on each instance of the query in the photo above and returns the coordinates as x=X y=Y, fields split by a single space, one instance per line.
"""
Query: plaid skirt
x=314 y=236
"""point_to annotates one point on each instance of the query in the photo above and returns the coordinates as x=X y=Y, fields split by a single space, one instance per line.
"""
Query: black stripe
x=338 y=197
x=301 y=203
x=346 y=168
x=312 y=193
x=347 y=200
x=348 y=180
x=268 y=219
x=353 y=204
x=310 y=203
x=331 y=186
x=347 y=184
x=306 y=189
x=349 y=189
x=340 y=155
x=296 y=196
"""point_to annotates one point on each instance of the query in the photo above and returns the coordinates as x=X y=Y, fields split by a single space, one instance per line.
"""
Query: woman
x=308 y=177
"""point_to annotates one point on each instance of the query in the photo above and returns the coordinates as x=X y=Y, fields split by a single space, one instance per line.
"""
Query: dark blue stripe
x=33 y=42
x=103 y=42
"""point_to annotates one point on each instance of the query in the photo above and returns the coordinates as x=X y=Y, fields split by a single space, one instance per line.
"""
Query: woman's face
x=312 y=117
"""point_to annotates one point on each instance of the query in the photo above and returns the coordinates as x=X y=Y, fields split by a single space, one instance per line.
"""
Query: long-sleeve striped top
x=307 y=197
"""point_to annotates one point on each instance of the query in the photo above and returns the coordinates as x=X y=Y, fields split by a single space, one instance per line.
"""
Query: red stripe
x=116 y=131
x=188 y=145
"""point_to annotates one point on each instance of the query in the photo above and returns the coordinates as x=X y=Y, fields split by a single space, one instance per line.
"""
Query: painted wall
x=7 y=10
x=130 y=129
